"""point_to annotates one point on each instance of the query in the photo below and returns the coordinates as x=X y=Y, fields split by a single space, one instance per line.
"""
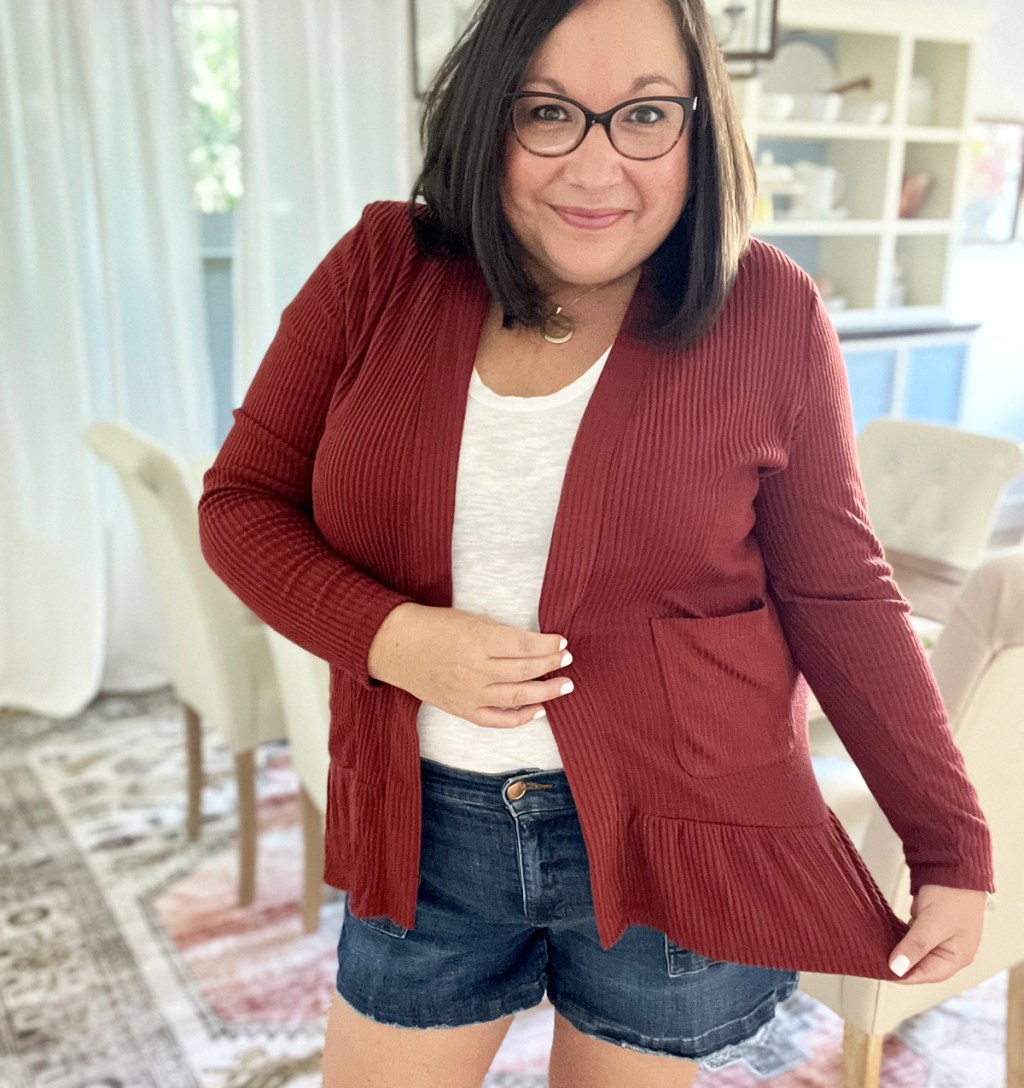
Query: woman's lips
x=590 y=219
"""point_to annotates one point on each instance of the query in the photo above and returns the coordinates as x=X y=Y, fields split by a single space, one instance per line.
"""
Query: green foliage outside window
x=210 y=35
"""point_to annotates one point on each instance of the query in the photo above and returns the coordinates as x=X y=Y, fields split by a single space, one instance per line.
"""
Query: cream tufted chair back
x=934 y=491
x=220 y=663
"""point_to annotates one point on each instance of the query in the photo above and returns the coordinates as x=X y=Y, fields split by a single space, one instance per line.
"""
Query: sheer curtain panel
x=326 y=112
x=100 y=316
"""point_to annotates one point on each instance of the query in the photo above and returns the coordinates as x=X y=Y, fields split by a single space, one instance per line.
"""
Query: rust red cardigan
x=711 y=550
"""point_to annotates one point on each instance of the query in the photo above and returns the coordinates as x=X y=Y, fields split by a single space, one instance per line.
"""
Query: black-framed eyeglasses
x=640 y=128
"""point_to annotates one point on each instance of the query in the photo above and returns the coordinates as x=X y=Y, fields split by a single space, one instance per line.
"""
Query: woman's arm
x=848 y=629
x=255 y=515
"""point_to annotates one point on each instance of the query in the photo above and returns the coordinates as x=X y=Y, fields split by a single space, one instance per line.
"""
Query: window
x=208 y=32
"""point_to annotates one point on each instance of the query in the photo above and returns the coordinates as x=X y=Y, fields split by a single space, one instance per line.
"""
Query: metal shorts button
x=515 y=791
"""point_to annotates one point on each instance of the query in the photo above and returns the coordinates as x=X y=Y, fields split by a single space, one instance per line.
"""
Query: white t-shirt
x=511 y=466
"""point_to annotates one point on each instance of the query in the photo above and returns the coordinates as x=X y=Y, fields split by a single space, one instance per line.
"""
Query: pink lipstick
x=590 y=218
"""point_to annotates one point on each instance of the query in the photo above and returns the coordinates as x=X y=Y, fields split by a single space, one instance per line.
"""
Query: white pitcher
x=823 y=186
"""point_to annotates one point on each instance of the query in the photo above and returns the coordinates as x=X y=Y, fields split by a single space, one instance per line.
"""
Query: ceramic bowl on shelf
x=863 y=111
x=820 y=106
x=775 y=106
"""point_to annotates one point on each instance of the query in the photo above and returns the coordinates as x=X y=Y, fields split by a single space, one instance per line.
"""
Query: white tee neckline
x=587 y=380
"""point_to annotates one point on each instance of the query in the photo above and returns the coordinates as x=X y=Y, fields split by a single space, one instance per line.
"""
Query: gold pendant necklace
x=558 y=328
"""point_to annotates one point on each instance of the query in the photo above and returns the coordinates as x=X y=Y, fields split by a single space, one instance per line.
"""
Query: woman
x=568 y=747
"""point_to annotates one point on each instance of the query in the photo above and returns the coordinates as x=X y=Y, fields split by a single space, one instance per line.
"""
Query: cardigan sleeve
x=849 y=632
x=255 y=515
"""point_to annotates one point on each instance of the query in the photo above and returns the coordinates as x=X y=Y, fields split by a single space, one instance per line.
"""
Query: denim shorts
x=504 y=915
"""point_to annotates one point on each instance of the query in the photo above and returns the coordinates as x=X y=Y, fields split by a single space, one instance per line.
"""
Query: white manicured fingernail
x=566 y=688
x=566 y=659
x=563 y=644
x=539 y=714
x=899 y=965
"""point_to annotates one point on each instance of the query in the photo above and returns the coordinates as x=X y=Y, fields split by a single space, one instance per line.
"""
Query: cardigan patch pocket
x=728 y=681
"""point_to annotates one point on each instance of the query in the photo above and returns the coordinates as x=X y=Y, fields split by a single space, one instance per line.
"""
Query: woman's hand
x=944 y=933
x=468 y=665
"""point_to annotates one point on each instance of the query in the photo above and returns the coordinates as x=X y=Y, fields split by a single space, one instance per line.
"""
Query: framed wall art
x=995 y=181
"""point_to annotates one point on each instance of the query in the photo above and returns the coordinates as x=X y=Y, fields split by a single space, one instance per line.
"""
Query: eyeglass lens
x=641 y=130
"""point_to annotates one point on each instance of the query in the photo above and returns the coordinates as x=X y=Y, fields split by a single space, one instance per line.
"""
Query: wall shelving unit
x=903 y=356
x=889 y=270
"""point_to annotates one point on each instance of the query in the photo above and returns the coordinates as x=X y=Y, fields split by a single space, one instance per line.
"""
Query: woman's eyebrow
x=638 y=84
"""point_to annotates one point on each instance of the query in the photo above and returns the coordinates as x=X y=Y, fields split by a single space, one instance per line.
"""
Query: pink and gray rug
x=125 y=963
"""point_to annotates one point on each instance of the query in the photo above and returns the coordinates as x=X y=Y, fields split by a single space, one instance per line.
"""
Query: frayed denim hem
x=498 y=1010
x=759 y=1025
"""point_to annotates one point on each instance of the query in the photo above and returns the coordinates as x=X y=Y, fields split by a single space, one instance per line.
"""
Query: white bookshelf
x=861 y=252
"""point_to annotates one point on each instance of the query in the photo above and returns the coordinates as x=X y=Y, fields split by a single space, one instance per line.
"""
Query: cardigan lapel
x=460 y=297
x=580 y=518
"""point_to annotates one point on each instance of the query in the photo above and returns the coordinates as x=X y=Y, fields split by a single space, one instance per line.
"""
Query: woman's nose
x=595 y=161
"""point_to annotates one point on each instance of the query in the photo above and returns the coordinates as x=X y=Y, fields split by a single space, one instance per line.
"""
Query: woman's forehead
x=613 y=47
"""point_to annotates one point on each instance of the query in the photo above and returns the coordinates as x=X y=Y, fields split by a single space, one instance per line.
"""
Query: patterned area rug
x=125 y=962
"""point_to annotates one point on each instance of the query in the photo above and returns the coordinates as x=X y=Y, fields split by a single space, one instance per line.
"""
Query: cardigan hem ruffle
x=807 y=870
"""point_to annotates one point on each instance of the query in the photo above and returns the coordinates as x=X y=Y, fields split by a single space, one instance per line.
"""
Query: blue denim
x=504 y=914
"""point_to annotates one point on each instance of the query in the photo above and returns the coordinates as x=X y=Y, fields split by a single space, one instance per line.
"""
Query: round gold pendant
x=558 y=329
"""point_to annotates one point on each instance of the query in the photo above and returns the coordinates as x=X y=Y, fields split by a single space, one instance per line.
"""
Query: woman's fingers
x=501 y=641
x=517 y=670
x=506 y=696
x=936 y=966
x=512 y=705
x=490 y=717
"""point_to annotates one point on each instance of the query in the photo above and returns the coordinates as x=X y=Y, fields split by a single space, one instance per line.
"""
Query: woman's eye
x=645 y=115
x=548 y=113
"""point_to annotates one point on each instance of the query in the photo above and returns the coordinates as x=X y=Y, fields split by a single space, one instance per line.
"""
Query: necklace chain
x=558 y=328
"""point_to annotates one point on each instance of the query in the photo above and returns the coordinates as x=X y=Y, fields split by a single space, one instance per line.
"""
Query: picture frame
x=995 y=182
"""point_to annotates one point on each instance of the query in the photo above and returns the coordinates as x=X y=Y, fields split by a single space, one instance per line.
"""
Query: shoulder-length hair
x=464 y=133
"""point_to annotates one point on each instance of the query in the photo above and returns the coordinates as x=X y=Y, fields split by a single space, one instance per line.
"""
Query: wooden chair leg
x=862 y=1058
x=245 y=779
x=1015 y=1028
x=313 y=871
x=193 y=773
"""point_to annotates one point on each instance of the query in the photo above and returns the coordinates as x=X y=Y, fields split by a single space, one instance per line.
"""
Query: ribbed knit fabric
x=711 y=549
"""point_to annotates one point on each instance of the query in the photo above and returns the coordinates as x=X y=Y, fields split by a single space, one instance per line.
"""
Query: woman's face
x=603 y=53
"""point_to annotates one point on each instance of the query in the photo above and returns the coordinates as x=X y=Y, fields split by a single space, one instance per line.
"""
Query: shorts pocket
x=381 y=924
x=684 y=961
x=729 y=682
x=386 y=926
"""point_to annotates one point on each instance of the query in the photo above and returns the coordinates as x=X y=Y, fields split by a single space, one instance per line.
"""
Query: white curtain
x=100 y=316
x=327 y=112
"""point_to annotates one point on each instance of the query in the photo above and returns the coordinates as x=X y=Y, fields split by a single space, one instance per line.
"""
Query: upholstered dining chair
x=304 y=682
x=978 y=662
x=933 y=496
x=220 y=664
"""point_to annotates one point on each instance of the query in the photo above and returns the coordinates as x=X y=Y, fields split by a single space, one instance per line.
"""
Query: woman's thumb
x=900 y=963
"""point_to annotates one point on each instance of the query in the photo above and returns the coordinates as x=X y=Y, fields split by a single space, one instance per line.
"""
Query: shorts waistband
x=540 y=790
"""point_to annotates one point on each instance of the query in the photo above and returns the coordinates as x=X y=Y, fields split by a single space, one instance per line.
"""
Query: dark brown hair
x=464 y=133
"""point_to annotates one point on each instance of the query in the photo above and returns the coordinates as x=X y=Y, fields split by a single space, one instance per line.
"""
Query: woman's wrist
x=384 y=654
